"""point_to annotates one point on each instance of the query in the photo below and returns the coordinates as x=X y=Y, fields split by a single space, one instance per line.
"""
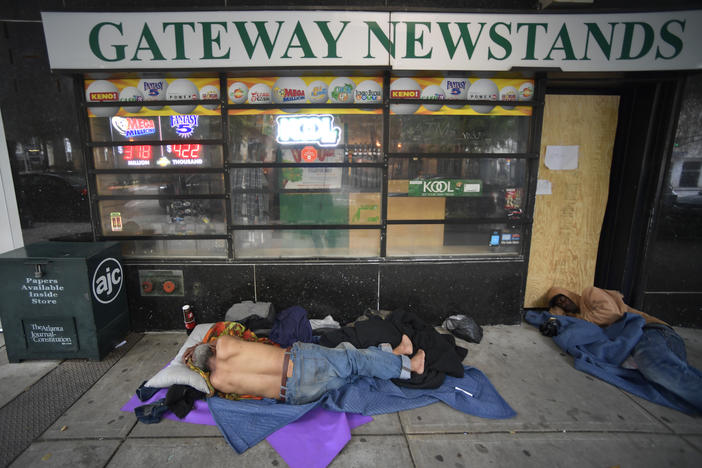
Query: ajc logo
x=107 y=280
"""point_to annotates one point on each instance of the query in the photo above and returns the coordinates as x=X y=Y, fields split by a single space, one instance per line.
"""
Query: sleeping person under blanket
x=235 y=363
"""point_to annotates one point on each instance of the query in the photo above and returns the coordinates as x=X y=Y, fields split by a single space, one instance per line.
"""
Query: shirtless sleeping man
x=299 y=374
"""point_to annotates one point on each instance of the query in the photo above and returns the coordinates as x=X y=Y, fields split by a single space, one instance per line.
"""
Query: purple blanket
x=311 y=441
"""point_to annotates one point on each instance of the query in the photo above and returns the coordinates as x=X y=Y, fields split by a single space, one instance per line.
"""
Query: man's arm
x=189 y=353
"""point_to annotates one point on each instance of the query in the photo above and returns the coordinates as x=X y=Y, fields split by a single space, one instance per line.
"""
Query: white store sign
x=403 y=41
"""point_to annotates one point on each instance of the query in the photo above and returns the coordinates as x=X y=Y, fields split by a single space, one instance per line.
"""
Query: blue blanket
x=245 y=423
x=600 y=352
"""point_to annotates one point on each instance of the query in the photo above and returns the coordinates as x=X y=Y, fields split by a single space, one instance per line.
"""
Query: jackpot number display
x=137 y=152
x=186 y=151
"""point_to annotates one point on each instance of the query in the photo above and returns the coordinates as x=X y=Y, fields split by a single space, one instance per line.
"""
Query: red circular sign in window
x=308 y=153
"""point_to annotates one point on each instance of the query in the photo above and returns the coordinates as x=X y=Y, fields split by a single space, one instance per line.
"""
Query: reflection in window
x=306 y=243
x=161 y=217
x=690 y=174
x=349 y=195
x=177 y=248
x=450 y=239
x=160 y=184
x=458 y=134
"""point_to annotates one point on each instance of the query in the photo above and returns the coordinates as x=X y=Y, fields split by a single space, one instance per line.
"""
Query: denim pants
x=661 y=357
x=317 y=369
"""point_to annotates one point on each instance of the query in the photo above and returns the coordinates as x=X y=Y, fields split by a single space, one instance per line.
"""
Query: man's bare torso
x=247 y=368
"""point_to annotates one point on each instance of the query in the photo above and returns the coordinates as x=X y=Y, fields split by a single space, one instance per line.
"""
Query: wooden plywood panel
x=567 y=224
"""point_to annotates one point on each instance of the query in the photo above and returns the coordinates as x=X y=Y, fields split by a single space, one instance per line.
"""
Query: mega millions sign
x=402 y=41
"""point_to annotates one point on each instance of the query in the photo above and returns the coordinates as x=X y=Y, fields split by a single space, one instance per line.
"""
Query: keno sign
x=401 y=40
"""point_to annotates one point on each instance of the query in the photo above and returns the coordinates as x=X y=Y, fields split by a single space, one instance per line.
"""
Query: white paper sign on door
x=562 y=158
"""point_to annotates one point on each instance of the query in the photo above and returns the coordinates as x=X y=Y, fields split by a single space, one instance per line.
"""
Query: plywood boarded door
x=567 y=223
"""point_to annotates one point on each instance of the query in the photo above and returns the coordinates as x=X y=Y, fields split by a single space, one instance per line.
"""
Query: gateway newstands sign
x=402 y=41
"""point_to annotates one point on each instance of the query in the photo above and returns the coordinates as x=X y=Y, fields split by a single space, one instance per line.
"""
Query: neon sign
x=184 y=125
x=132 y=127
x=310 y=129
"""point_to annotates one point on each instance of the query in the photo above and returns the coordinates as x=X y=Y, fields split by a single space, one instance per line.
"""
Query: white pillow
x=177 y=372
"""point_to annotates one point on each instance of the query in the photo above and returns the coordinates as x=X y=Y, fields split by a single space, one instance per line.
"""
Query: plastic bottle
x=189 y=319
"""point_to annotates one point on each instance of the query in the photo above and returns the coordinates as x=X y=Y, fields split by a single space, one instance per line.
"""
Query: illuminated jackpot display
x=136 y=155
x=186 y=154
x=142 y=155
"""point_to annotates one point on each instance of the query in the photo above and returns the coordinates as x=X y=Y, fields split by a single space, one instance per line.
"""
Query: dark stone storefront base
x=489 y=292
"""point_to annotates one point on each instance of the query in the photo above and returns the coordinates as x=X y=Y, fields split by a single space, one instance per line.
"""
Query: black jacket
x=442 y=355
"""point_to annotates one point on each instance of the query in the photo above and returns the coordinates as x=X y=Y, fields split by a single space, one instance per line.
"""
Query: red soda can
x=188 y=318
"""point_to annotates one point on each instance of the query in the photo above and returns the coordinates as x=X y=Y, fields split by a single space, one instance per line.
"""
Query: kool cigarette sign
x=403 y=41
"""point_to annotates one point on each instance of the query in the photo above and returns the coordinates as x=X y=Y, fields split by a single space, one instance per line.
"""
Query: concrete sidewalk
x=565 y=418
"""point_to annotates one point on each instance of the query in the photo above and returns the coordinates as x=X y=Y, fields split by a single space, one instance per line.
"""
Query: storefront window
x=167 y=178
x=469 y=201
x=311 y=166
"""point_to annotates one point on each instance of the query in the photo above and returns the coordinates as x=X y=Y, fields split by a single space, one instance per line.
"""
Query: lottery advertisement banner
x=440 y=91
x=364 y=90
x=134 y=94
x=305 y=90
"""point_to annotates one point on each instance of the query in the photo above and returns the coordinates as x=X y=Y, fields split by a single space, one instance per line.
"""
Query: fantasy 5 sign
x=404 y=41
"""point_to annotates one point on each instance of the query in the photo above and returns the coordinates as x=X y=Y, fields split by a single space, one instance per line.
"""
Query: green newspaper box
x=63 y=300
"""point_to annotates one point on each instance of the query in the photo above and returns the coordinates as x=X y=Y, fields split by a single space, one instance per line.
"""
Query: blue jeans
x=317 y=369
x=661 y=357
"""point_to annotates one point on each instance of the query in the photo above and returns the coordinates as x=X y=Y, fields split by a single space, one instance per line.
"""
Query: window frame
x=531 y=157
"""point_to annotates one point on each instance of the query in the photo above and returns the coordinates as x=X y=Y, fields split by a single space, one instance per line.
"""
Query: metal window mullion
x=111 y=144
x=534 y=146
x=162 y=102
x=466 y=102
x=325 y=106
x=88 y=157
x=153 y=170
x=162 y=197
x=167 y=237
x=224 y=112
x=465 y=221
x=303 y=164
x=464 y=155
x=384 y=180
x=297 y=227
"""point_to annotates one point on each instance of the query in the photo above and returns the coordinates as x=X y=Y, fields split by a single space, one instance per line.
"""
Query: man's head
x=203 y=357
x=568 y=306
x=563 y=302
